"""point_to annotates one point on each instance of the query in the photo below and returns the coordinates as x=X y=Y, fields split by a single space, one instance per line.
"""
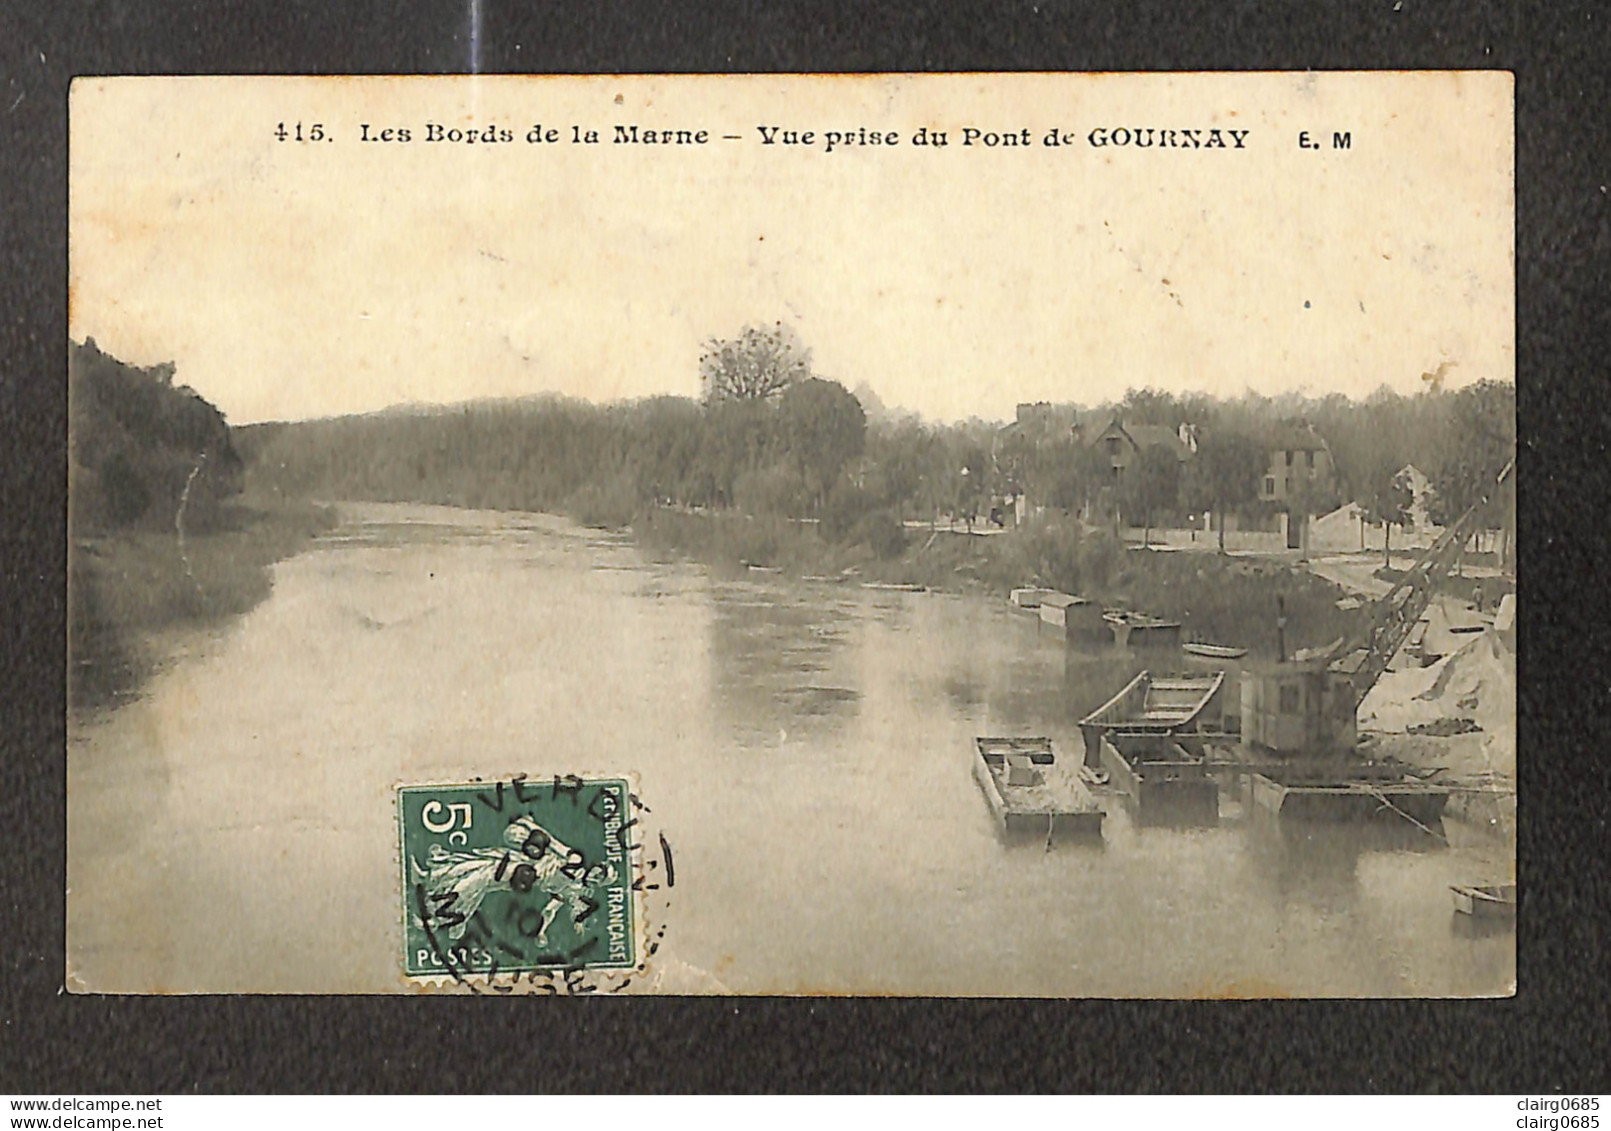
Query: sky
x=292 y=279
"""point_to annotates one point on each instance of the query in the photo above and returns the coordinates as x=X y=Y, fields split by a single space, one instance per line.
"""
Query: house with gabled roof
x=1121 y=444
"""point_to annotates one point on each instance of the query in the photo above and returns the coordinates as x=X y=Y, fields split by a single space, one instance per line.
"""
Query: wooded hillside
x=135 y=441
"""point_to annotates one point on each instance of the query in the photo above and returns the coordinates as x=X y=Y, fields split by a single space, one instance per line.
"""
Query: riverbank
x=1228 y=600
x=128 y=588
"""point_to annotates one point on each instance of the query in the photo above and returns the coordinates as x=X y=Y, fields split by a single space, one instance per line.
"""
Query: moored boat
x=1029 y=597
x=1490 y=901
x=1141 y=630
x=1162 y=779
x=1147 y=737
x=1073 y=618
x=1212 y=651
x=1156 y=704
x=1363 y=791
x=1028 y=791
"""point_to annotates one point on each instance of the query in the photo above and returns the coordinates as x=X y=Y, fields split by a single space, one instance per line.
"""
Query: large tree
x=758 y=364
x=1482 y=424
x=1225 y=475
x=1060 y=471
x=1152 y=483
x=142 y=449
x=1150 y=406
x=822 y=427
x=737 y=437
x=902 y=455
x=962 y=473
x=1387 y=499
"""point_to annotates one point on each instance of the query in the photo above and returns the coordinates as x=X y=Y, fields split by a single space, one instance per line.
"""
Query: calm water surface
x=805 y=747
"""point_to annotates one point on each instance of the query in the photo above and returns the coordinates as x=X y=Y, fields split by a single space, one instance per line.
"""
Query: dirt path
x=1354 y=572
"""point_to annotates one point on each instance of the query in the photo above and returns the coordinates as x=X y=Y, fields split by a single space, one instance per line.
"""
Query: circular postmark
x=524 y=884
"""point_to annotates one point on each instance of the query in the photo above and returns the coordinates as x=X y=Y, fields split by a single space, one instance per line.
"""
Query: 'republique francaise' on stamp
x=517 y=876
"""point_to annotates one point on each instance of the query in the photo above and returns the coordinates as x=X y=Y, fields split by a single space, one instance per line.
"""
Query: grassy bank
x=1230 y=600
x=126 y=588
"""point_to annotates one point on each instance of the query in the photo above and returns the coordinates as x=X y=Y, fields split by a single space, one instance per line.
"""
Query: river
x=806 y=748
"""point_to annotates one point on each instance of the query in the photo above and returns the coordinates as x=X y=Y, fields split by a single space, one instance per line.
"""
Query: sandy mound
x=1475 y=685
x=1339 y=531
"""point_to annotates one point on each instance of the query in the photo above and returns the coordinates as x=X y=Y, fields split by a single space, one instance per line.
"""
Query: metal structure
x=1308 y=706
x=1394 y=616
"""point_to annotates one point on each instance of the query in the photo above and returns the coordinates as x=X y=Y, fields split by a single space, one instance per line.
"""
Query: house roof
x=1041 y=418
x=1144 y=436
x=1154 y=435
x=1295 y=438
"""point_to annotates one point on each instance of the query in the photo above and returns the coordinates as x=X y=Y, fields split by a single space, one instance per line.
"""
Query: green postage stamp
x=518 y=875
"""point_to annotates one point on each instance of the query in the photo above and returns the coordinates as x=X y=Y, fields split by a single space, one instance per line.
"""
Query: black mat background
x=1551 y=1037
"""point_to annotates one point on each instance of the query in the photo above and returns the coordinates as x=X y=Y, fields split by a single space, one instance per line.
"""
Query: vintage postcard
x=1038 y=535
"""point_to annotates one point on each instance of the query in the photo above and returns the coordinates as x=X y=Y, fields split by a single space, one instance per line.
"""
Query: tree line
x=1460 y=439
x=769 y=436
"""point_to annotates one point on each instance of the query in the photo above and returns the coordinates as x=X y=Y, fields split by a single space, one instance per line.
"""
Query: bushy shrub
x=609 y=505
x=756 y=541
x=776 y=490
x=880 y=532
x=1100 y=557
x=1051 y=553
x=844 y=509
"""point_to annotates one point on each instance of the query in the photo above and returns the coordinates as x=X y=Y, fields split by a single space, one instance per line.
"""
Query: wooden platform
x=1029 y=792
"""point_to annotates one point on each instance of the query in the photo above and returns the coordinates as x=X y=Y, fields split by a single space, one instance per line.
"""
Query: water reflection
x=776 y=654
x=1481 y=927
x=1317 y=863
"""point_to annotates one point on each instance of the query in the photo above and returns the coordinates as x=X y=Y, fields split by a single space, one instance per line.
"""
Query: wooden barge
x=1485 y=901
x=1074 y=619
x=1147 y=738
x=1163 y=780
x=1155 y=705
x=1029 y=792
x=1347 y=792
x=1139 y=630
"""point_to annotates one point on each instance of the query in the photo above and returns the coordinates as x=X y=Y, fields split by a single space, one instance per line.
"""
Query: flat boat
x=1141 y=630
x=1162 y=780
x=1485 y=901
x=1365 y=791
x=1146 y=738
x=1073 y=618
x=1029 y=597
x=1028 y=791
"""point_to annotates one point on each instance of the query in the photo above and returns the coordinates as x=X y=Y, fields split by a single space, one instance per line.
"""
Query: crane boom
x=1395 y=614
